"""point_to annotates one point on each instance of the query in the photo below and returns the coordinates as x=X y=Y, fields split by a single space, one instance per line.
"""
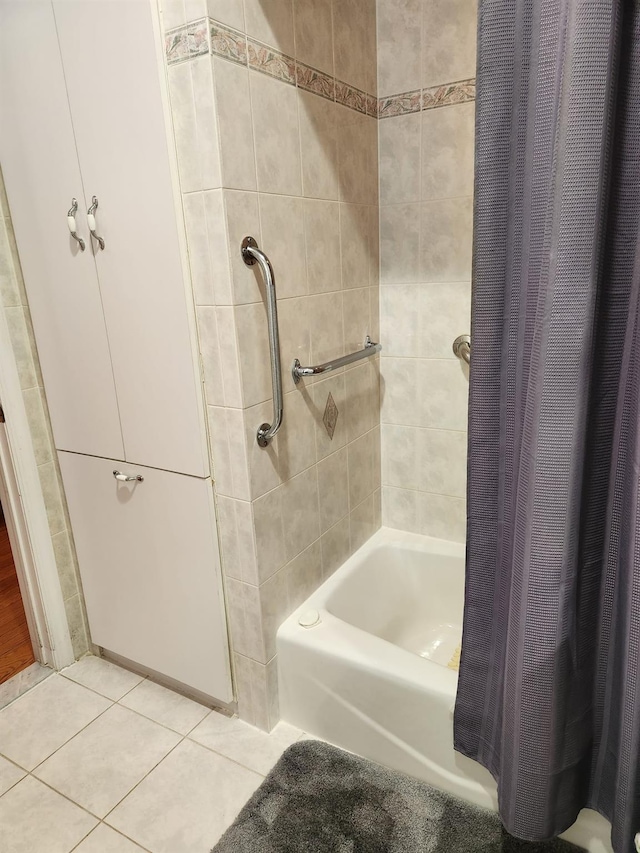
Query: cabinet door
x=113 y=80
x=150 y=569
x=41 y=173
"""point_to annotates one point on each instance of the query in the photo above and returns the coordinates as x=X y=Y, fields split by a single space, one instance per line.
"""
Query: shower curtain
x=549 y=690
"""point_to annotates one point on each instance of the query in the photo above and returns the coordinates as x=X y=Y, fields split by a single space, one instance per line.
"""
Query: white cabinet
x=41 y=173
x=153 y=591
x=81 y=115
x=111 y=69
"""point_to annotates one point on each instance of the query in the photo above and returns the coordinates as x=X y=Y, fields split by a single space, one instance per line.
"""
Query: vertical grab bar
x=251 y=254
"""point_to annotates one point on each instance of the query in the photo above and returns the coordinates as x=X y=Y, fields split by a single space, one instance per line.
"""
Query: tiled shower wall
x=274 y=107
x=14 y=302
x=426 y=70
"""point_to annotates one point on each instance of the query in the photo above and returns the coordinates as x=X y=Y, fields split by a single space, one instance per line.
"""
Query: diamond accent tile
x=330 y=418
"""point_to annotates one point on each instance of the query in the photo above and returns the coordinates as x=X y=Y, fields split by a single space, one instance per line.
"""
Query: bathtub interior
x=407 y=596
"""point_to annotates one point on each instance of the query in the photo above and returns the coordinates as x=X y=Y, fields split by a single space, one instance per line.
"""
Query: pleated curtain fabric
x=549 y=690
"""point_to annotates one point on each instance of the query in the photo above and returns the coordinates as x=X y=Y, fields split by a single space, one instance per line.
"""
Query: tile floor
x=96 y=759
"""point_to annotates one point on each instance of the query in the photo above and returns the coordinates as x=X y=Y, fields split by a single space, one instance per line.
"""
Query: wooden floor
x=16 y=652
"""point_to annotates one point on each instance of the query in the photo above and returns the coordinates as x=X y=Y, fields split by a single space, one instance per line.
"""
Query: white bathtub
x=372 y=674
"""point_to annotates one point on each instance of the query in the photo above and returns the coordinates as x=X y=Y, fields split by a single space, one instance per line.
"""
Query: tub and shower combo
x=369 y=663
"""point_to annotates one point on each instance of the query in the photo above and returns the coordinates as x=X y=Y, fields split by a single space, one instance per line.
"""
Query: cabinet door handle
x=125 y=478
x=71 y=222
x=91 y=219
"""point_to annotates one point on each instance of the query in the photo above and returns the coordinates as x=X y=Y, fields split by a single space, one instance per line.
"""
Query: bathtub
x=368 y=664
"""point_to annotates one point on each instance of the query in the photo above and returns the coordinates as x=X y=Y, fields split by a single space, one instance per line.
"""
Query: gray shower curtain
x=549 y=691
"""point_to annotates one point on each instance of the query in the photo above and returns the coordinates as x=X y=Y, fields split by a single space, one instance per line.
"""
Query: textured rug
x=319 y=799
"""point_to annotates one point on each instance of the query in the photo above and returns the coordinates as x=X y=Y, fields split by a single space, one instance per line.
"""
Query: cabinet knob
x=91 y=219
x=125 y=478
x=71 y=222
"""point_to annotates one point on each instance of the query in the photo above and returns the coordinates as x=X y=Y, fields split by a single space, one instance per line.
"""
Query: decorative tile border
x=208 y=36
x=271 y=62
x=399 y=105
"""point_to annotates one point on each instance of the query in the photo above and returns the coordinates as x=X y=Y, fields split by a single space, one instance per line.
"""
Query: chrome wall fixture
x=251 y=255
x=462 y=348
x=71 y=222
x=91 y=219
x=369 y=349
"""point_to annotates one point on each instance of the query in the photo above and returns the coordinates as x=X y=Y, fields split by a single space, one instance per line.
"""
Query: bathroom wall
x=426 y=70
x=274 y=108
x=14 y=303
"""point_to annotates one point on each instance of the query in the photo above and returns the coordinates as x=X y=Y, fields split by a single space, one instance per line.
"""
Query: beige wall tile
x=229 y=12
x=399 y=391
x=449 y=41
x=401 y=456
x=304 y=575
x=314 y=33
x=65 y=561
x=322 y=241
x=357 y=137
x=335 y=547
x=355 y=247
x=219 y=440
x=300 y=512
x=173 y=13
x=442 y=516
x=361 y=469
x=445 y=313
x=447 y=151
x=228 y=537
x=400 y=242
x=401 y=326
x=400 y=152
x=334 y=385
x=362 y=522
x=442 y=462
x=219 y=256
x=361 y=386
x=357 y=318
x=243 y=220
x=210 y=353
x=206 y=122
x=39 y=428
x=228 y=348
x=271 y=22
x=275 y=607
x=333 y=489
x=277 y=136
x=297 y=437
x=77 y=625
x=264 y=462
x=198 y=247
x=253 y=349
x=442 y=393
x=446 y=232
x=399 y=46
x=235 y=125
x=269 y=532
x=354 y=38
x=400 y=509
x=325 y=320
x=53 y=499
x=319 y=146
x=295 y=336
x=245 y=618
x=10 y=291
x=22 y=345
x=282 y=221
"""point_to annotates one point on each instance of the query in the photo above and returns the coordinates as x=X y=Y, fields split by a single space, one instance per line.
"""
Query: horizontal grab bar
x=462 y=348
x=297 y=371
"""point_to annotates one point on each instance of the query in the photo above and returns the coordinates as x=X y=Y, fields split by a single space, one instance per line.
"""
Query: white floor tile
x=34 y=819
x=243 y=743
x=103 y=839
x=186 y=803
x=103 y=763
x=102 y=676
x=165 y=707
x=9 y=775
x=38 y=723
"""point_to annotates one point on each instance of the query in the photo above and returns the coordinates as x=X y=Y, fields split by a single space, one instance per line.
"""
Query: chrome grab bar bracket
x=370 y=348
x=462 y=348
x=251 y=255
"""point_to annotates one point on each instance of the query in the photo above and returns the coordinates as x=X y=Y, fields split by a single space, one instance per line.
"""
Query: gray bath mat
x=319 y=799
